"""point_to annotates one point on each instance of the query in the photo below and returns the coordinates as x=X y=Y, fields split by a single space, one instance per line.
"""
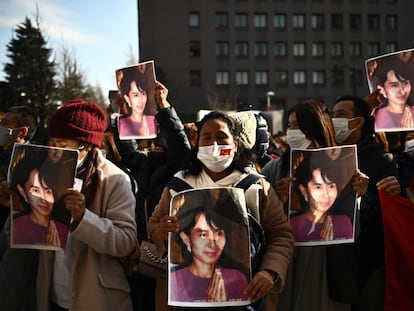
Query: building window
x=337 y=76
x=222 y=20
x=281 y=77
x=298 y=21
x=391 y=47
x=318 y=77
x=260 y=49
x=355 y=49
x=373 y=22
x=337 y=22
x=373 y=49
x=318 y=49
x=279 y=21
x=193 y=19
x=280 y=49
x=195 y=77
x=391 y=22
x=355 y=22
x=241 y=49
x=318 y=21
x=260 y=20
x=222 y=49
x=261 y=78
x=299 y=77
x=299 y=49
x=337 y=49
x=356 y=78
x=242 y=77
x=195 y=50
x=222 y=78
x=240 y=20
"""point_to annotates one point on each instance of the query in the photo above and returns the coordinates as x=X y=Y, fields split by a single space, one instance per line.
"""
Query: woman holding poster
x=220 y=161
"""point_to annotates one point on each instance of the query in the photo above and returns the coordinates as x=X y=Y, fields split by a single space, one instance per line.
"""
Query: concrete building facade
x=267 y=54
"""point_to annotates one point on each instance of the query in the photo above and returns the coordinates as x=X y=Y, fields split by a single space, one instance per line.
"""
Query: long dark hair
x=243 y=157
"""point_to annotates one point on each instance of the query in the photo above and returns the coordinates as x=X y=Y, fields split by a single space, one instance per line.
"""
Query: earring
x=306 y=199
x=189 y=249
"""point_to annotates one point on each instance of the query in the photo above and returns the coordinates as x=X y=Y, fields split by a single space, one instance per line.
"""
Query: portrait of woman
x=39 y=218
x=392 y=75
x=136 y=86
x=206 y=269
x=321 y=178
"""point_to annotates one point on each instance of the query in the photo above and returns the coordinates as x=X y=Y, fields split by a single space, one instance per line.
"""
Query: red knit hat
x=80 y=120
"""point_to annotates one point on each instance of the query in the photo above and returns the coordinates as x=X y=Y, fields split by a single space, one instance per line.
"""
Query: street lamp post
x=269 y=94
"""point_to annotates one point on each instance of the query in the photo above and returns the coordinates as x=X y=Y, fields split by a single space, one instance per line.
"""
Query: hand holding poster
x=322 y=201
x=392 y=74
x=136 y=86
x=38 y=176
x=209 y=260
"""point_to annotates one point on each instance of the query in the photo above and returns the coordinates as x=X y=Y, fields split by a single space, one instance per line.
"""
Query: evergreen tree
x=31 y=72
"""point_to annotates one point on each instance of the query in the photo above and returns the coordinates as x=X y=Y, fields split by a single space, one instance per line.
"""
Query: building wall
x=167 y=38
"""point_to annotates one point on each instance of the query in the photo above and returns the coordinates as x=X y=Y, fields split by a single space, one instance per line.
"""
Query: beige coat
x=278 y=232
x=106 y=231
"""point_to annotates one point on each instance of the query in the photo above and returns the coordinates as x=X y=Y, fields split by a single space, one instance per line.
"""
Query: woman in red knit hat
x=88 y=275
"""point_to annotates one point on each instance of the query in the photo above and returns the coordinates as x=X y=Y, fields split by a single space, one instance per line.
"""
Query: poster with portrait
x=322 y=201
x=136 y=86
x=392 y=75
x=209 y=259
x=38 y=177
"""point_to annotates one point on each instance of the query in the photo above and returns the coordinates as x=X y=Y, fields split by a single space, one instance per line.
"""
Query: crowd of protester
x=125 y=197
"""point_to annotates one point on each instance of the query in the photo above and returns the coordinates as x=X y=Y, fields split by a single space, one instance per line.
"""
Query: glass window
x=373 y=22
x=222 y=49
x=318 y=21
x=355 y=22
x=260 y=20
x=280 y=49
x=281 y=77
x=279 y=21
x=337 y=76
x=193 y=19
x=299 y=77
x=318 y=49
x=195 y=77
x=391 y=22
x=242 y=77
x=355 y=49
x=337 y=22
x=222 y=20
x=318 y=77
x=391 y=47
x=298 y=21
x=337 y=49
x=299 y=49
x=195 y=50
x=373 y=49
x=241 y=49
x=240 y=20
x=260 y=49
x=222 y=78
x=261 y=78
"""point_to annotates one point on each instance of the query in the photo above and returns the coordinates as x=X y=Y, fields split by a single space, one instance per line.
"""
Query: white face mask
x=296 y=139
x=6 y=136
x=342 y=130
x=216 y=157
x=409 y=148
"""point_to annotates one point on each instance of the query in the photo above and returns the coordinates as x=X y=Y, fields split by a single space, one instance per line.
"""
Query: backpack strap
x=247 y=181
x=178 y=185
